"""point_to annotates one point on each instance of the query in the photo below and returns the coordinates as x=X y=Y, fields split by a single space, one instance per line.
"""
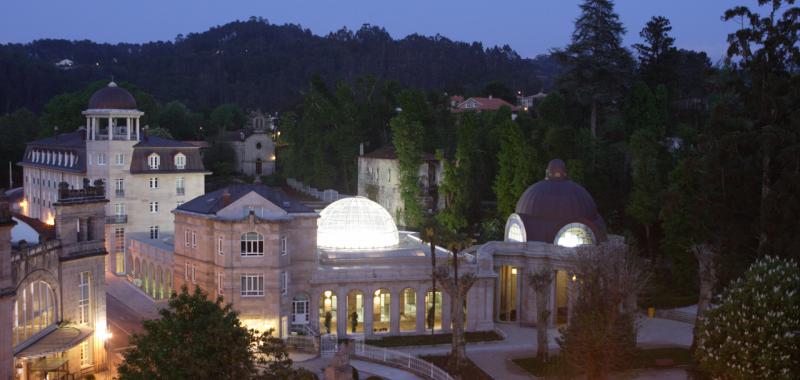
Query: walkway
x=133 y=297
x=365 y=368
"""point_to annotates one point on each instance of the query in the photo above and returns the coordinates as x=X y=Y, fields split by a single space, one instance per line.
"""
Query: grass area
x=558 y=368
x=470 y=372
x=427 y=340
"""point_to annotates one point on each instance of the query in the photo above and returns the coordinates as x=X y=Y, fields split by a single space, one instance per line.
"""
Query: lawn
x=427 y=340
x=470 y=372
x=557 y=368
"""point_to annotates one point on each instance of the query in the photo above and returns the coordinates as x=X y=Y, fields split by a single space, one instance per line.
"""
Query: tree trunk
x=593 y=120
x=458 y=353
x=708 y=278
x=765 y=190
x=542 y=314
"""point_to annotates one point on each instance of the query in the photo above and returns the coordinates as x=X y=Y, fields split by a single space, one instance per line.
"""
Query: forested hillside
x=259 y=65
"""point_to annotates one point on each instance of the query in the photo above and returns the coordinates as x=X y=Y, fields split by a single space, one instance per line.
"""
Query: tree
x=457 y=286
x=654 y=53
x=768 y=52
x=597 y=65
x=180 y=121
x=707 y=272
x=225 y=117
x=21 y=125
x=461 y=197
x=194 y=338
x=273 y=357
x=601 y=335
x=219 y=158
x=514 y=173
x=407 y=136
x=752 y=331
x=541 y=281
x=159 y=132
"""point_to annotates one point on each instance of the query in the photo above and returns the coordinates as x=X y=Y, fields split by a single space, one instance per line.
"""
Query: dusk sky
x=530 y=27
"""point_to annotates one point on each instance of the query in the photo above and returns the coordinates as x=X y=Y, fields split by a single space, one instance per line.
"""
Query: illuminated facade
x=254 y=145
x=52 y=292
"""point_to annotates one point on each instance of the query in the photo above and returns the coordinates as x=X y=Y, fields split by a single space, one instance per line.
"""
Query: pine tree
x=654 y=54
x=597 y=65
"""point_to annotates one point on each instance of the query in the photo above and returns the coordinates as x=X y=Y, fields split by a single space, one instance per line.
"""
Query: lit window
x=575 y=234
x=153 y=232
x=153 y=207
x=252 y=244
x=252 y=285
x=86 y=354
x=153 y=161
x=180 y=161
x=154 y=182
x=514 y=233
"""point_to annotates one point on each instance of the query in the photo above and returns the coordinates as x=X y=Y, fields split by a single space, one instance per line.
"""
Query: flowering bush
x=754 y=332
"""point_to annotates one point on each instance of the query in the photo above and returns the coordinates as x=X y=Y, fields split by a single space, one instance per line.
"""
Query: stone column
x=110 y=128
x=421 y=310
x=394 y=309
x=128 y=123
x=368 y=312
x=341 y=312
x=138 y=130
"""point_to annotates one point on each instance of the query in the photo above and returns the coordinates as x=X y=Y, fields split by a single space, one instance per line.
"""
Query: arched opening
x=408 y=310
x=258 y=166
x=433 y=312
x=160 y=294
x=34 y=310
x=300 y=309
x=575 y=234
x=509 y=293
x=327 y=312
x=168 y=282
x=355 y=311
x=381 y=311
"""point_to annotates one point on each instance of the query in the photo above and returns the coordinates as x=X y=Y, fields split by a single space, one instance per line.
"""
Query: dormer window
x=180 y=161
x=153 y=161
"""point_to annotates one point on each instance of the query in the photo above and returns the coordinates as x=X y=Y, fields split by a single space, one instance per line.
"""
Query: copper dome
x=112 y=97
x=549 y=205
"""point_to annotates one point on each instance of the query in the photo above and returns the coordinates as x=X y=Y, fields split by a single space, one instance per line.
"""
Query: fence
x=327 y=195
x=676 y=315
x=304 y=343
x=402 y=360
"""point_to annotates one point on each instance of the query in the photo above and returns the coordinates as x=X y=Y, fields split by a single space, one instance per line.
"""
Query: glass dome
x=356 y=223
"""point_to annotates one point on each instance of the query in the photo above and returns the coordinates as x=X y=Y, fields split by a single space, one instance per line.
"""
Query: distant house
x=529 y=101
x=254 y=146
x=478 y=104
x=65 y=63
x=379 y=180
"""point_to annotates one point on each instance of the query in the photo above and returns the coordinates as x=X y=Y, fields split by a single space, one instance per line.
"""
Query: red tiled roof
x=485 y=104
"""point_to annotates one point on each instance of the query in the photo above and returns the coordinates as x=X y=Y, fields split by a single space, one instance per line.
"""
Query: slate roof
x=64 y=143
x=112 y=97
x=212 y=202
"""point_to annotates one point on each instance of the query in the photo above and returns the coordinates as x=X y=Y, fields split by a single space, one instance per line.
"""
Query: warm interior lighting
x=377 y=292
x=23 y=205
x=50 y=220
x=574 y=278
x=356 y=223
x=327 y=303
x=327 y=294
x=513 y=270
x=272 y=157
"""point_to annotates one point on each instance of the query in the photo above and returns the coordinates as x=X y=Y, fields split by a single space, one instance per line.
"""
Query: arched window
x=252 y=244
x=514 y=233
x=355 y=311
x=153 y=161
x=381 y=311
x=575 y=234
x=180 y=161
x=34 y=311
x=327 y=312
x=408 y=310
x=258 y=145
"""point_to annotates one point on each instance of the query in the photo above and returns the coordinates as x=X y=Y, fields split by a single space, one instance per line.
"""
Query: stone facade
x=53 y=312
x=254 y=145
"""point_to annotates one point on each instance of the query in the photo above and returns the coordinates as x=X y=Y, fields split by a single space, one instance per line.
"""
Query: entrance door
x=508 y=294
x=258 y=166
x=300 y=312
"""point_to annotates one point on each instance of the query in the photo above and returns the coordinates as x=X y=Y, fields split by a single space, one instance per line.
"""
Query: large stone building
x=349 y=271
x=379 y=180
x=146 y=176
x=52 y=289
x=254 y=145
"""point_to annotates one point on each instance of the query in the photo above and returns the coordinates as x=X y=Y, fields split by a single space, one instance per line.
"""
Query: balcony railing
x=180 y=191
x=120 y=193
x=117 y=219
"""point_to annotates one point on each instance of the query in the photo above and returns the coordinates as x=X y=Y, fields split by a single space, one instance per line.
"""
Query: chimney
x=226 y=197
x=82 y=133
x=361 y=149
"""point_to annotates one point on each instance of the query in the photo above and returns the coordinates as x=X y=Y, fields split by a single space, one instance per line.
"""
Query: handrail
x=401 y=360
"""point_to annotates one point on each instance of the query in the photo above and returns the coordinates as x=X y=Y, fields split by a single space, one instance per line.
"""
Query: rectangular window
x=284 y=283
x=86 y=354
x=119 y=209
x=180 y=161
x=179 y=186
x=252 y=244
x=252 y=285
x=153 y=232
x=119 y=187
x=84 y=287
x=153 y=207
x=119 y=159
x=282 y=247
x=154 y=182
x=186 y=237
x=194 y=239
x=220 y=282
x=186 y=272
x=119 y=239
x=219 y=246
x=101 y=158
x=194 y=271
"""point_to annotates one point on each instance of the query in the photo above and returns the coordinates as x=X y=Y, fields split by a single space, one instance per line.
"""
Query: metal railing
x=117 y=219
x=119 y=193
x=180 y=190
x=402 y=360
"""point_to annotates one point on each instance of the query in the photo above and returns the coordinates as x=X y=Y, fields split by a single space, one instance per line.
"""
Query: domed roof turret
x=356 y=223
x=112 y=97
x=547 y=206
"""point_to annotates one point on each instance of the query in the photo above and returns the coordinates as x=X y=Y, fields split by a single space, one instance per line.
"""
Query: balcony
x=120 y=193
x=117 y=219
x=180 y=191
